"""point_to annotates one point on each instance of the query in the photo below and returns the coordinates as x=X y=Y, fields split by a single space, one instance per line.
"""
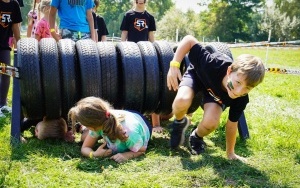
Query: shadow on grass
x=233 y=173
x=4 y=121
x=45 y=148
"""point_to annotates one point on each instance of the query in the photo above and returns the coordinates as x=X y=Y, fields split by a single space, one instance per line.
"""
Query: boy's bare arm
x=90 y=19
x=151 y=36
x=183 y=48
x=124 y=35
x=231 y=130
x=52 y=17
x=16 y=31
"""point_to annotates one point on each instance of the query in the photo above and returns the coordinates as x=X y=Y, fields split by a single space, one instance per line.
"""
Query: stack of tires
x=54 y=76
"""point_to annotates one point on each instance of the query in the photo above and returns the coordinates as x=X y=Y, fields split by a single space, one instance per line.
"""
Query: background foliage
x=228 y=20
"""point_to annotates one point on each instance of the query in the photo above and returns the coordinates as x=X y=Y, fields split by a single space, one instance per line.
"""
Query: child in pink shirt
x=43 y=27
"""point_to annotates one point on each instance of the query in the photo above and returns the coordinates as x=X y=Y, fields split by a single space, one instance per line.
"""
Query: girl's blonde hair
x=93 y=112
x=251 y=67
x=54 y=128
x=43 y=4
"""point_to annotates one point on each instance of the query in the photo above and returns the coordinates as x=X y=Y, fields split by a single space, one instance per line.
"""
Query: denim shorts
x=74 y=35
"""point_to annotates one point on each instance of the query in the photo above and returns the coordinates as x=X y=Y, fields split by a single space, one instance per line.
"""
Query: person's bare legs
x=209 y=123
x=180 y=106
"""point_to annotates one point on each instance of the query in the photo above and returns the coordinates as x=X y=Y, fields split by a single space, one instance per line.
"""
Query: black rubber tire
x=90 y=70
x=110 y=69
x=129 y=56
x=151 y=73
x=219 y=47
x=165 y=55
x=50 y=77
x=69 y=71
x=30 y=78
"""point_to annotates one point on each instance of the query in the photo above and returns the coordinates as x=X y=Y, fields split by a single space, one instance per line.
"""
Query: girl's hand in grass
x=101 y=152
x=234 y=156
x=119 y=157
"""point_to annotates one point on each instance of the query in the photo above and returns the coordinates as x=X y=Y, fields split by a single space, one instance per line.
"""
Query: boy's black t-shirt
x=102 y=29
x=138 y=25
x=210 y=70
x=10 y=14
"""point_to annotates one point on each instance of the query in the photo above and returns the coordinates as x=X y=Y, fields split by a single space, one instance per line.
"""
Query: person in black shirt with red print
x=138 y=24
x=222 y=84
x=10 y=19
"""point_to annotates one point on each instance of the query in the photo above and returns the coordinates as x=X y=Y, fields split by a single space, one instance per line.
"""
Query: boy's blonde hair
x=251 y=67
x=94 y=112
x=54 y=128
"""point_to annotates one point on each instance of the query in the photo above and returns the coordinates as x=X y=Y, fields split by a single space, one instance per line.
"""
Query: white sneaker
x=2 y=115
x=6 y=109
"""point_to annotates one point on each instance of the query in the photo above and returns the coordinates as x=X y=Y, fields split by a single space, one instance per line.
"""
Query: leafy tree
x=291 y=8
x=113 y=12
x=173 y=20
x=229 y=19
x=159 y=7
x=281 y=25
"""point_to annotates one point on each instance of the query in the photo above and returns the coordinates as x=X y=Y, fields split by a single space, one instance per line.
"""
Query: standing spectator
x=139 y=25
x=102 y=29
x=76 y=19
x=43 y=28
x=10 y=19
x=33 y=17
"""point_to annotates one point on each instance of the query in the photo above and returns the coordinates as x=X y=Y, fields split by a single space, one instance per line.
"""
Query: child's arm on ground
x=87 y=146
x=231 y=130
x=122 y=157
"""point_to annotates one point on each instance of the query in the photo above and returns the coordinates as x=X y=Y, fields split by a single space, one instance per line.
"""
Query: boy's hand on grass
x=158 y=129
x=234 y=156
x=101 y=152
x=70 y=137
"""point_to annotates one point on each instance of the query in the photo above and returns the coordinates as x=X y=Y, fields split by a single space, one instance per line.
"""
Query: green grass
x=273 y=150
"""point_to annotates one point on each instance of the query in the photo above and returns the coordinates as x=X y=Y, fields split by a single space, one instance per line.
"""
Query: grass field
x=273 y=150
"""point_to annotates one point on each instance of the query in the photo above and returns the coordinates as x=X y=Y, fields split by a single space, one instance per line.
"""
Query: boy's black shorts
x=191 y=80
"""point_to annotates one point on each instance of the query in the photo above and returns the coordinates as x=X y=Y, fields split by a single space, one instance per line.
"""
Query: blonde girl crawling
x=126 y=134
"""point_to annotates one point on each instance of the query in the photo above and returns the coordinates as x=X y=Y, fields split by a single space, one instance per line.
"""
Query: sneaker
x=6 y=109
x=197 y=145
x=178 y=132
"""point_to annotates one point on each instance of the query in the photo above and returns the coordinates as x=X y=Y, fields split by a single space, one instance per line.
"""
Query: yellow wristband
x=91 y=154
x=175 y=64
x=52 y=30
